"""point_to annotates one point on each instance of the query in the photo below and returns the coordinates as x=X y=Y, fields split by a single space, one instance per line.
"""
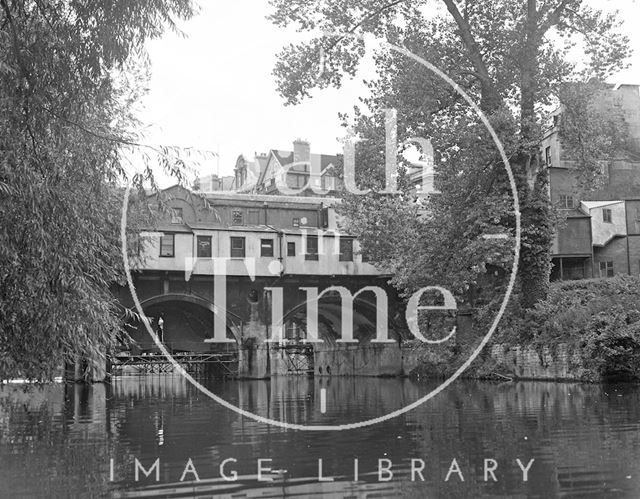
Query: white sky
x=214 y=89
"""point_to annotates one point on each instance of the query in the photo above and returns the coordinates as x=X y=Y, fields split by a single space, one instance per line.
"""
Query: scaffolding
x=192 y=362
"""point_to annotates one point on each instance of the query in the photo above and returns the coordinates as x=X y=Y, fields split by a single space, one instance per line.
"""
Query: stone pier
x=253 y=350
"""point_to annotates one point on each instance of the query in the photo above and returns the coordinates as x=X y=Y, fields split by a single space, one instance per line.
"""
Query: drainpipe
x=266 y=209
x=626 y=236
x=628 y=256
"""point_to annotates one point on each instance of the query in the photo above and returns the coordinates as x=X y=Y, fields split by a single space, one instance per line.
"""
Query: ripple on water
x=57 y=441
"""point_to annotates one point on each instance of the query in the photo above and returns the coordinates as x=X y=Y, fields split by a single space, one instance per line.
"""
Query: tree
x=512 y=57
x=69 y=77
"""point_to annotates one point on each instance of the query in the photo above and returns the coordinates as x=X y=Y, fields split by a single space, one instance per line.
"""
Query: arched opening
x=185 y=322
x=330 y=321
x=332 y=357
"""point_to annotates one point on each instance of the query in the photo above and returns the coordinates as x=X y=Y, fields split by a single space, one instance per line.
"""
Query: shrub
x=568 y=313
x=611 y=347
x=599 y=317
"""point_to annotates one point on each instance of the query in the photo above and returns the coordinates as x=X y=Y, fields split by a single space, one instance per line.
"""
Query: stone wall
x=499 y=362
x=527 y=363
x=358 y=360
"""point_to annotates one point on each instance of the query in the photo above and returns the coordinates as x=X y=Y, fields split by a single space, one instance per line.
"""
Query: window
x=176 y=216
x=606 y=215
x=237 y=217
x=237 y=247
x=547 y=156
x=325 y=217
x=266 y=247
x=293 y=331
x=254 y=217
x=346 y=250
x=167 y=244
x=606 y=269
x=566 y=201
x=328 y=183
x=296 y=222
x=296 y=181
x=291 y=249
x=312 y=248
x=203 y=246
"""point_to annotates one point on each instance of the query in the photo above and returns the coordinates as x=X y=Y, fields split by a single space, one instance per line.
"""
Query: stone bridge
x=188 y=309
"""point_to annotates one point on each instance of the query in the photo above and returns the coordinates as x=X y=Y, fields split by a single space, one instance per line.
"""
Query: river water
x=88 y=441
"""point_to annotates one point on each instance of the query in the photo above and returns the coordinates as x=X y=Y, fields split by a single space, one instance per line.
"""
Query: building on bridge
x=266 y=241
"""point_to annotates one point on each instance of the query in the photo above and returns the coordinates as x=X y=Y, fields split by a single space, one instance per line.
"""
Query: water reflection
x=61 y=441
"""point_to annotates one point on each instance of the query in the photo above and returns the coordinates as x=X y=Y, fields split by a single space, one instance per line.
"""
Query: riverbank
x=587 y=330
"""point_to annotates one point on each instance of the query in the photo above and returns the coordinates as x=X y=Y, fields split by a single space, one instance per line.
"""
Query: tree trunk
x=535 y=247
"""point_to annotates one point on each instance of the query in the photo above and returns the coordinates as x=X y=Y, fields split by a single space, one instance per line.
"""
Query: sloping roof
x=324 y=160
x=576 y=213
x=317 y=161
x=263 y=171
x=604 y=243
x=261 y=161
x=598 y=204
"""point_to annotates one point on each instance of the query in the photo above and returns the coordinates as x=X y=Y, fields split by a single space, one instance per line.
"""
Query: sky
x=213 y=89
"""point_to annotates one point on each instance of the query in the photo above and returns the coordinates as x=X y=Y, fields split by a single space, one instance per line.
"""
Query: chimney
x=301 y=151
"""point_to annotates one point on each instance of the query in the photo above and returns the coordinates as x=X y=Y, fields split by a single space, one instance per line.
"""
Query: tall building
x=246 y=172
x=307 y=173
x=601 y=234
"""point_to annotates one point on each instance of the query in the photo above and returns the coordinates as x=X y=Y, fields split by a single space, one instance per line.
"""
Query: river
x=475 y=439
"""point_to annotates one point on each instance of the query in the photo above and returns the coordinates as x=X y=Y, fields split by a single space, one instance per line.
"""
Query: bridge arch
x=330 y=320
x=188 y=321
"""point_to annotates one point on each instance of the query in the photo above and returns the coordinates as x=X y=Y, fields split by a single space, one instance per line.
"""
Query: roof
x=262 y=162
x=611 y=238
x=318 y=162
x=200 y=226
x=232 y=228
x=598 y=204
x=576 y=213
x=269 y=199
x=324 y=160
